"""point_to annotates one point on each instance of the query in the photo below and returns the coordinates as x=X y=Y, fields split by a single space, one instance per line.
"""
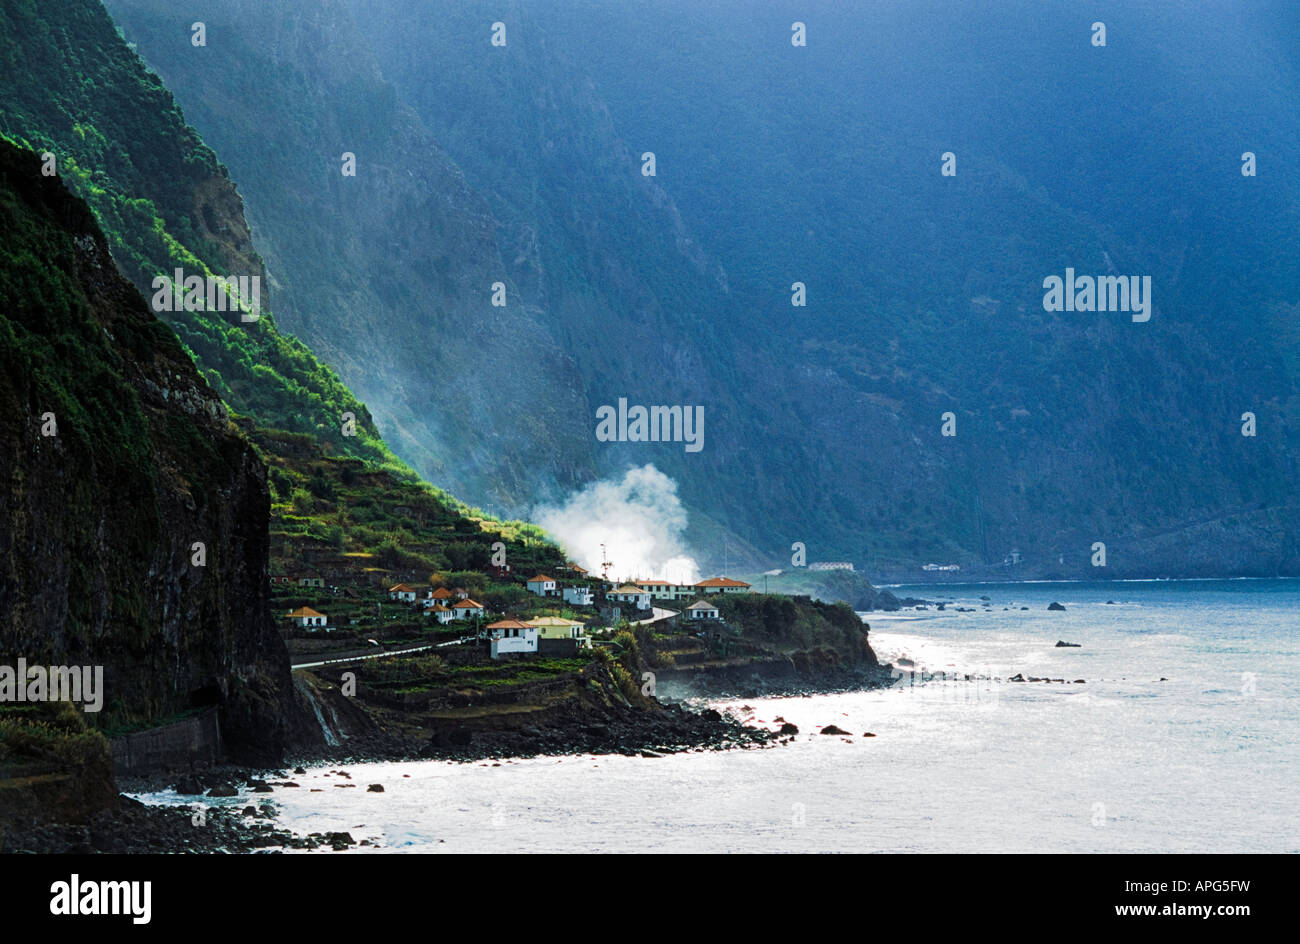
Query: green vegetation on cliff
x=73 y=88
x=118 y=462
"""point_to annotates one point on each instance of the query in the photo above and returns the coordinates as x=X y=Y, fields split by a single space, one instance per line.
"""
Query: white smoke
x=638 y=518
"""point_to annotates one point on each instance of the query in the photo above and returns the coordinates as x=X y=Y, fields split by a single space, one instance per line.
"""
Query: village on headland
x=541 y=615
x=490 y=661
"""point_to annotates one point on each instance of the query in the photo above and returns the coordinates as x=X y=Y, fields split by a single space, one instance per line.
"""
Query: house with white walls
x=404 y=592
x=468 y=609
x=579 y=596
x=511 y=636
x=439 y=596
x=631 y=594
x=667 y=590
x=307 y=618
x=722 y=585
x=542 y=585
x=699 y=610
x=443 y=614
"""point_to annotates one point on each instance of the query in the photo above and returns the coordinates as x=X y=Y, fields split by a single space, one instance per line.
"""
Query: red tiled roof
x=721 y=582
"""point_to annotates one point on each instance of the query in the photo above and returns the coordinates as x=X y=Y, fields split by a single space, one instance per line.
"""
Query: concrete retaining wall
x=183 y=744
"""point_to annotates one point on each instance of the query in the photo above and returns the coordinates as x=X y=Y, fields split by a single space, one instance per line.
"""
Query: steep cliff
x=133 y=530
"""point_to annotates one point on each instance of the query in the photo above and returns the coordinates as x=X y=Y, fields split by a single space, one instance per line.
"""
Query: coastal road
x=659 y=614
x=363 y=655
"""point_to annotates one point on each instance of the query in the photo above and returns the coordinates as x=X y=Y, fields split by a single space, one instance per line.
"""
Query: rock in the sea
x=1055 y=606
x=375 y=788
x=831 y=729
x=189 y=786
x=223 y=790
x=789 y=728
x=1062 y=644
x=868 y=734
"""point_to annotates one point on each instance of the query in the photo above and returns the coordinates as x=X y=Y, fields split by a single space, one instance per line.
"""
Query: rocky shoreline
x=135 y=827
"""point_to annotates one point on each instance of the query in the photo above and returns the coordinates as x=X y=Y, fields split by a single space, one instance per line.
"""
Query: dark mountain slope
x=925 y=292
x=98 y=522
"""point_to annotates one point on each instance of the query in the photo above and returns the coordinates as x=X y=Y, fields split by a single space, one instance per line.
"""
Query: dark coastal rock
x=223 y=790
x=1055 y=606
x=1016 y=678
x=189 y=786
x=832 y=729
x=339 y=840
x=1062 y=644
x=868 y=734
x=375 y=788
x=789 y=728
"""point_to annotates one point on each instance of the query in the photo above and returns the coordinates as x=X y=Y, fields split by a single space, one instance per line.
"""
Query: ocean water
x=1184 y=737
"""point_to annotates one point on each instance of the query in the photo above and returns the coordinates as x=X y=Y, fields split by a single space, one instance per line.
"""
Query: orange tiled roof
x=721 y=582
x=303 y=611
x=541 y=578
x=508 y=624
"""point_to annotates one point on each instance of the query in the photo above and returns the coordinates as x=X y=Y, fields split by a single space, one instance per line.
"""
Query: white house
x=468 y=609
x=630 y=593
x=542 y=585
x=722 y=585
x=667 y=590
x=699 y=610
x=306 y=617
x=443 y=614
x=441 y=596
x=405 y=592
x=511 y=636
x=579 y=596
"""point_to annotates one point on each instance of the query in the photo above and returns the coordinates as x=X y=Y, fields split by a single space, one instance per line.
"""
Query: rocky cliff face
x=133 y=530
